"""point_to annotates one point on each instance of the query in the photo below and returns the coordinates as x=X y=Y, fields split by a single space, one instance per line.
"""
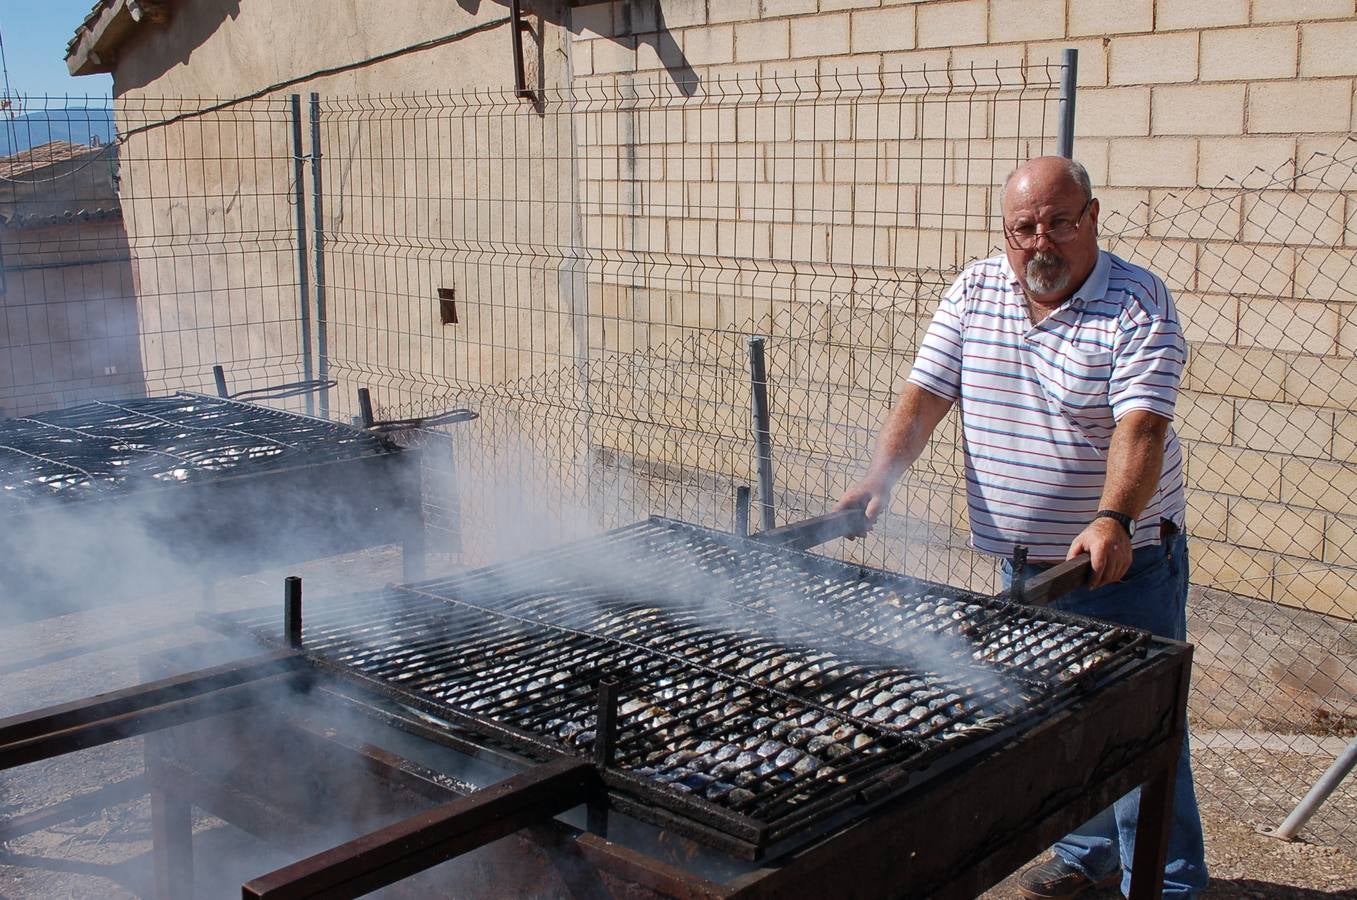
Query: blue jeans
x=1152 y=596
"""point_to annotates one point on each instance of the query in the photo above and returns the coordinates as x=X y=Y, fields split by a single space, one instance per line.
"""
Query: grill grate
x=762 y=689
x=104 y=449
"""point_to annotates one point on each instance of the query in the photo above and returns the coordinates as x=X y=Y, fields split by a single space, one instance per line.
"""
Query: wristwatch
x=1126 y=521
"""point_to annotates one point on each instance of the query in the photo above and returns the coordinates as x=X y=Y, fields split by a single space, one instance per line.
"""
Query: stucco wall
x=228 y=48
x=68 y=317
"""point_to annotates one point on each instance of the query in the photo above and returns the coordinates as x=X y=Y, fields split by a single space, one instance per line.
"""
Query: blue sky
x=35 y=33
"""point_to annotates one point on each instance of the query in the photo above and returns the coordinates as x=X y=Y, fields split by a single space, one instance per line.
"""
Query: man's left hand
x=1109 y=550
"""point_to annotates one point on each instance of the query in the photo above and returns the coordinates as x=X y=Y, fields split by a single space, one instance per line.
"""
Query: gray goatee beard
x=1047 y=273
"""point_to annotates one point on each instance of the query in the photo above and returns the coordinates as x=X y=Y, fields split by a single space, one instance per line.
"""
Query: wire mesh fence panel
x=1264 y=272
x=145 y=241
x=584 y=273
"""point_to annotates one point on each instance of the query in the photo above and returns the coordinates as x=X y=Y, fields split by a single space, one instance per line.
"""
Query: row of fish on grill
x=738 y=722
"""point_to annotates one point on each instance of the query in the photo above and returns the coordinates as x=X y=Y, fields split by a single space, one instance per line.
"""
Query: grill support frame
x=943 y=837
x=747 y=836
x=389 y=854
x=939 y=834
x=220 y=526
x=102 y=719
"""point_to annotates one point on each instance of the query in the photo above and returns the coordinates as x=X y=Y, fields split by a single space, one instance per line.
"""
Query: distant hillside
x=75 y=124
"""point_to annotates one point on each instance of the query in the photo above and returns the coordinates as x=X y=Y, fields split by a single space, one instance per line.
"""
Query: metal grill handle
x=812 y=532
x=1055 y=582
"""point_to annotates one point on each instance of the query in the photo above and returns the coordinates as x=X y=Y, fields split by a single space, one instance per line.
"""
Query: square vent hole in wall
x=447 y=306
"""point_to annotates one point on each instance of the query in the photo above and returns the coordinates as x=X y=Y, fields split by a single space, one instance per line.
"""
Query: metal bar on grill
x=149 y=707
x=429 y=838
x=742 y=510
x=818 y=530
x=605 y=748
x=292 y=611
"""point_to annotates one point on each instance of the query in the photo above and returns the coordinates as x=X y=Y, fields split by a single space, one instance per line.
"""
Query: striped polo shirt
x=1039 y=403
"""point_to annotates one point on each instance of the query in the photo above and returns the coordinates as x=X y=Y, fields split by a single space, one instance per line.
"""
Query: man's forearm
x=906 y=431
x=1135 y=462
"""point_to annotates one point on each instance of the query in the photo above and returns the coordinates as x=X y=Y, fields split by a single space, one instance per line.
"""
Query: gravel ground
x=1246 y=864
x=106 y=853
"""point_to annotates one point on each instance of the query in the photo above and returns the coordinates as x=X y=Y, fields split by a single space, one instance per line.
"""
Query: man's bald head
x=1047 y=173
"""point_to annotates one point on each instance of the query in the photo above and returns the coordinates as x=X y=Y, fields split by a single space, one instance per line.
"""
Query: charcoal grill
x=841 y=729
x=206 y=485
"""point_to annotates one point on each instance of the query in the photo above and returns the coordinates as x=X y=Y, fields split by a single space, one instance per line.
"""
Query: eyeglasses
x=1025 y=237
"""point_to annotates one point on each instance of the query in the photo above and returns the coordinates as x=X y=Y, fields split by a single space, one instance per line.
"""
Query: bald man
x=1065 y=361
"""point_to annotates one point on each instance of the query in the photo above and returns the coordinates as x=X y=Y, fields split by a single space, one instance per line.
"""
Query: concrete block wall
x=1218 y=136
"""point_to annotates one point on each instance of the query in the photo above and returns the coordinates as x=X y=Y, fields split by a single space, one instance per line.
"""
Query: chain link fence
x=1264 y=271
x=584 y=275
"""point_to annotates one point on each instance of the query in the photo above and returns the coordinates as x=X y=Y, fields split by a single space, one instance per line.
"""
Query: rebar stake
x=763 y=442
x=292 y=611
x=605 y=735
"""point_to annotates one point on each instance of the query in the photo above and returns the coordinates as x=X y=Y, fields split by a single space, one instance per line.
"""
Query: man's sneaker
x=1055 y=879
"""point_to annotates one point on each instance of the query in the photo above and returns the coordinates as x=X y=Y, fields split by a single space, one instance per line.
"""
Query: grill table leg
x=172 y=845
x=412 y=555
x=413 y=544
x=1152 y=833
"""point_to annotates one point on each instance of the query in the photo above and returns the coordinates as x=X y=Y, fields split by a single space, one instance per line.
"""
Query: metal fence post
x=1310 y=804
x=758 y=382
x=317 y=213
x=1069 y=73
x=303 y=258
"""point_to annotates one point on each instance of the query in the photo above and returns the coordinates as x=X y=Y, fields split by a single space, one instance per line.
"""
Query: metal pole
x=605 y=748
x=318 y=215
x=219 y=375
x=1069 y=73
x=521 y=88
x=742 y=510
x=303 y=258
x=758 y=381
x=1318 y=794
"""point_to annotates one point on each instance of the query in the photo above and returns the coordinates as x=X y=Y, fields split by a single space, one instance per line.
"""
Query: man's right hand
x=872 y=495
x=903 y=436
